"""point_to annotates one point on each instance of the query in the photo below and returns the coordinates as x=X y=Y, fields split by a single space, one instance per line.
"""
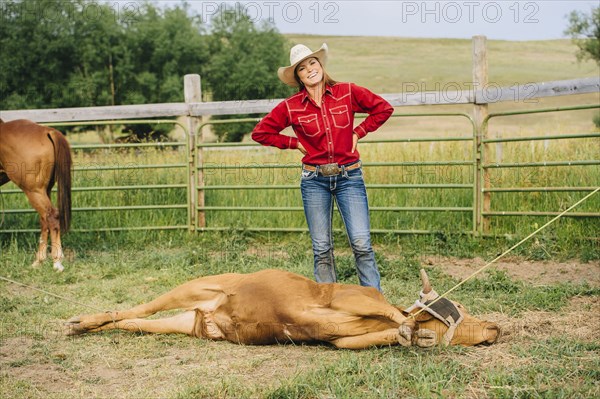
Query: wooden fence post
x=193 y=94
x=480 y=113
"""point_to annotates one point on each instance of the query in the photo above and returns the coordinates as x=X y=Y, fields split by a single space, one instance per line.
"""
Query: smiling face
x=310 y=72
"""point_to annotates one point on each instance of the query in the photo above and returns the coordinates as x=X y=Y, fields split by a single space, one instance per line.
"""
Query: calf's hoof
x=424 y=338
x=405 y=332
x=73 y=327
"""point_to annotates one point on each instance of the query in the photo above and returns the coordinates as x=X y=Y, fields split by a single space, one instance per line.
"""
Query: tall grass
x=240 y=167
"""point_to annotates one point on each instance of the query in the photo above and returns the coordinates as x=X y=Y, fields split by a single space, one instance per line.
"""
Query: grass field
x=545 y=296
x=549 y=317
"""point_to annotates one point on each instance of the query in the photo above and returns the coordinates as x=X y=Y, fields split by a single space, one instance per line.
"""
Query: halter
x=442 y=309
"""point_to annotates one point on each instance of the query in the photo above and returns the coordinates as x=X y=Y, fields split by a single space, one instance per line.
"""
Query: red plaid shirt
x=325 y=132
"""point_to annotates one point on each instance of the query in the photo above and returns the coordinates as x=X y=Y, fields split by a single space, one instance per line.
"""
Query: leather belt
x=331 y=169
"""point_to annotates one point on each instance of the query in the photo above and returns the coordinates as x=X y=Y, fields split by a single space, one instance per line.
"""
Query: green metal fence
x=192 y=188
x=203 y=188
x=103 y=165
x=484 y=207
x=480 y=166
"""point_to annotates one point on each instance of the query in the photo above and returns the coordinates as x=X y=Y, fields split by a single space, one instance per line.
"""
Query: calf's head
x=441 y=321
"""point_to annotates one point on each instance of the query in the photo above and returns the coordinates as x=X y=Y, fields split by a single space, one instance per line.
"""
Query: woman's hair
x=326 y=78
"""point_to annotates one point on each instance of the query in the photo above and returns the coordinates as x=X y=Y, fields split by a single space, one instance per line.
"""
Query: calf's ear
x=425 y=282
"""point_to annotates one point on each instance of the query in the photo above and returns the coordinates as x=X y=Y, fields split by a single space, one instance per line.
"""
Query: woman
x=322 y=115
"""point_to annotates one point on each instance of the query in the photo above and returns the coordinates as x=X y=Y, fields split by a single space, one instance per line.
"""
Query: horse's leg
x=41 y=203
x=56 y=249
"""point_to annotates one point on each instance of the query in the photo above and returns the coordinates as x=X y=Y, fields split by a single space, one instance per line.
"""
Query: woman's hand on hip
x=301 y=148
x=354 y=141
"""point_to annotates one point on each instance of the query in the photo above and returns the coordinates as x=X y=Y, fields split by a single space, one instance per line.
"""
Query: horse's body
x=35 y=157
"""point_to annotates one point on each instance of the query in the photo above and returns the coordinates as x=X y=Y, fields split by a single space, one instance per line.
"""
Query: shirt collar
x=305 y=95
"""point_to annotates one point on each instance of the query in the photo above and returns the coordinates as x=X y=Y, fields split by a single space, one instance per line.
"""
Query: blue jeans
x=348 y=190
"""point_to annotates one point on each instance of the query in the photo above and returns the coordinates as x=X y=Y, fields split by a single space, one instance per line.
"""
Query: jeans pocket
x=308 y=175
x=354 y=174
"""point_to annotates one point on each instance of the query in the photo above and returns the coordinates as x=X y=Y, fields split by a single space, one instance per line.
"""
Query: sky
x=498 y=20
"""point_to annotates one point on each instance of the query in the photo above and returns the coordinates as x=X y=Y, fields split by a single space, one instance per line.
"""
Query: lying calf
x=274 y=306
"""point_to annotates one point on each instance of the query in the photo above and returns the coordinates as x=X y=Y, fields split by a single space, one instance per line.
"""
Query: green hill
x=395 y=65
x=385 y=63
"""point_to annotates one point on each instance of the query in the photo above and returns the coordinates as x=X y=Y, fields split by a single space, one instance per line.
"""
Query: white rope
x=507 y=251
x=50 y=293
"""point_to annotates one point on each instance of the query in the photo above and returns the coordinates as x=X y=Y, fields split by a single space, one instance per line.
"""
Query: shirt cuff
x=293 y=143
x=360 y=131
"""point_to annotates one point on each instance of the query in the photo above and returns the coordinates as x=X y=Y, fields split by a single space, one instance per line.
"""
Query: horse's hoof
x=36 y=264
x=58 y=267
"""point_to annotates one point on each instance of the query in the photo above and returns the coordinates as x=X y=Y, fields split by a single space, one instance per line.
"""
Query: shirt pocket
x=310 y=124
x=340 y=116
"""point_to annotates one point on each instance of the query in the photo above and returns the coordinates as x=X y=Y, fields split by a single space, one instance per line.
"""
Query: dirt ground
x=533 y=272
x=63 y=368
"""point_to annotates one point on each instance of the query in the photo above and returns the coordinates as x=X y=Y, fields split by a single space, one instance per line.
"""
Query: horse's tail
x=62 y=175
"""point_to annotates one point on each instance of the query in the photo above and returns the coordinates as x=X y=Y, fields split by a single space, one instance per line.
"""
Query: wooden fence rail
x=491 y=93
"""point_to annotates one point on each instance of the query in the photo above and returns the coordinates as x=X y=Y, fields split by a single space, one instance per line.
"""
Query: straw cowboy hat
x=299 y=53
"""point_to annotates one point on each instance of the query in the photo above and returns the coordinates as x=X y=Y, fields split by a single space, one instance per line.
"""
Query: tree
x=84 y=53
x=243 y=66
x=162 y=47
x=79 y=53
x=585 y=31
x=38 y=53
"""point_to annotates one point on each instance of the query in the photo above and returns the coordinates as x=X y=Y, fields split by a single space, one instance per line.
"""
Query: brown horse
x=35 y=157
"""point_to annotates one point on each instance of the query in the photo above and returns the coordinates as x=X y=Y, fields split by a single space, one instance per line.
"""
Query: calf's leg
x=359 y=304
x=195 y=294
x=379 y=338
x=421 y=338
x=180 y=324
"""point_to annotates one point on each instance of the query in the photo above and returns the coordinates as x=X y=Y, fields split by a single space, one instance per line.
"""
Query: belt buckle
x=330 y=169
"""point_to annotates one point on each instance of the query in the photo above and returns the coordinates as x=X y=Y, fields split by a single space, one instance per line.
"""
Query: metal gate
x=168 y=185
